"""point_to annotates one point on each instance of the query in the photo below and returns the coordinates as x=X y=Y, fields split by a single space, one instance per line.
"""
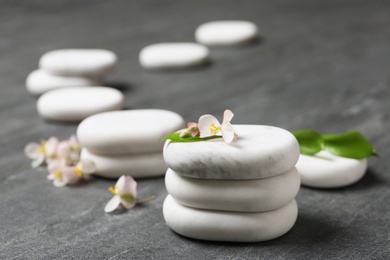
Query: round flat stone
x=173 y=55
x=41 y=81
x=326 y=170
x=135 y=165
x=234 y=195
x=260 y=152
x=78 y=62
x=131 y=131
x=218 y=225
x=226 y=32
x=77 y=103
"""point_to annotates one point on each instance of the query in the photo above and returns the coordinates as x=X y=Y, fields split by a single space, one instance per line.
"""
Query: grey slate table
x=323 y=65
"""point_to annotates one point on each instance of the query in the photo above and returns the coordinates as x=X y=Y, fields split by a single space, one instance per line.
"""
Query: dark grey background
x=322 y=65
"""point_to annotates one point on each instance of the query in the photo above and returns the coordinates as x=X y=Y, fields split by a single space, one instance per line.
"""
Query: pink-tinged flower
x=39 y=153
x=209 y=126
x=70 y=150
x=192 y=129
x=62 y=174
x=125 y=193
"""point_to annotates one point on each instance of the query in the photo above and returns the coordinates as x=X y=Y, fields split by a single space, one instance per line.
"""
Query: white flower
x=70 y=150
x=39 y=153
x=209 y=126
x=62 y=174
x=125 y=193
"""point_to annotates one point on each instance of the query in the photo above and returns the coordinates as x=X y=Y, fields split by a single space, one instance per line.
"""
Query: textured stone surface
x=218 y=225
x=234 y=195
x=259 y=152
x=319 y=64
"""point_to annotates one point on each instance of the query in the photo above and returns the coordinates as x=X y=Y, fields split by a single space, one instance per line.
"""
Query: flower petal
x=31 y=150
x=227 y=116
x=51 y=146
x=53 y=165
x=227 y=133
x=51 y=177
x=205 y=122
x=63 y=149
x=126 y=184
x=68 y=175
x=38 y=161
x=59 y=183
x=73 y=140
x=88 y=166
x=112 y=204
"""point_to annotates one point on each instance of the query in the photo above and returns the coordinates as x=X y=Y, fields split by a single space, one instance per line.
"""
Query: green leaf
x=175 y=138
x=310 y=142
x=350 y=145
x=128 y=198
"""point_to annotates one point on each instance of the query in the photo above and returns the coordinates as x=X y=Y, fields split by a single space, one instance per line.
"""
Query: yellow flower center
x=58 y=175
x=42 y=149
x=113 y=190
x=74 y=148
x=214 y=129
x=78 y=171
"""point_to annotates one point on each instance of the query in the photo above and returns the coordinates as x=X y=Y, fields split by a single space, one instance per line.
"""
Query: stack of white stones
x=239 y=192
x=61 y=80
x=127 y=142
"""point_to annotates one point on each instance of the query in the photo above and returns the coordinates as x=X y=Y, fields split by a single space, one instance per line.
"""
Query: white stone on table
x=326 y=170
x=40 y=81
x=131 y=131
x=227 y=226
x=173 y=55
x=226 y=32
x=79 y=62
x=135 y=165
x=234 y=195
x=260 y=152
x=77 y=103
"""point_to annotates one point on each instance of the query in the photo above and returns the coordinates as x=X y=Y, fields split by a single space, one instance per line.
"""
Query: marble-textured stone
x=40 y=81
x=173 y=55
x=229 y=226
x=128 y=132
x=135 y=165
x=234 y=195
x=77 y=103
x=79 y=62
x=260 y=152
x=326 y=170
x=226 y=32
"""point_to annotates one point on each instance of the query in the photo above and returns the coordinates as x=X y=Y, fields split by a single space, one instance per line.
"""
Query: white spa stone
x=229 y=226
x=77 y=103
x=131 y=131
x=234 y=195
x=173 y=55
x=135 y=165
x=260 y=152
x=78 y=62
x=226 y=32
x=326 y=170
x=41 y=81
